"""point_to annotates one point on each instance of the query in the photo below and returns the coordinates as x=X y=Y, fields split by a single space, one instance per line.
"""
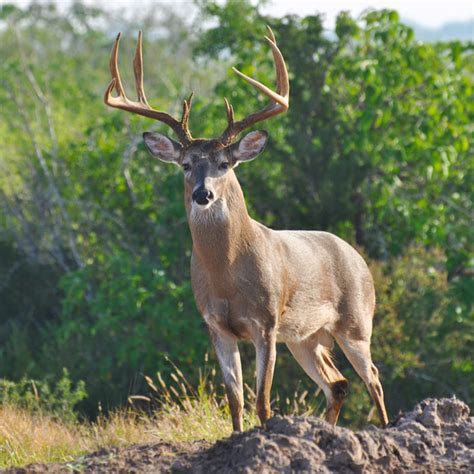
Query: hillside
x=436 y=436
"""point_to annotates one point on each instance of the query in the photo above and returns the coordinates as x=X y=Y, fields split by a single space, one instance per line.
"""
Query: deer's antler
x=279 y=100
x=180 y=127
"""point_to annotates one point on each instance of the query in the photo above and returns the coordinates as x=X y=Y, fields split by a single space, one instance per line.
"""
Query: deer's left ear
x=250 y=146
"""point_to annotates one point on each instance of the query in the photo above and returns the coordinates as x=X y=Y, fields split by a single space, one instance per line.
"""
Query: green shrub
x=121 y=319
x=41 y=396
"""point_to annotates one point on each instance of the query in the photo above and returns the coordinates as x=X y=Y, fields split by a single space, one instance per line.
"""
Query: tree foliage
x=94 y=245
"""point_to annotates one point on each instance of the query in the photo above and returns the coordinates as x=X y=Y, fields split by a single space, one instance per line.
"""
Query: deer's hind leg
x=357 y=352
x=315 y=358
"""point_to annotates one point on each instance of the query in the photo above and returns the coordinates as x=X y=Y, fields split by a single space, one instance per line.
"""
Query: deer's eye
x=186 y=166
x=224 y=166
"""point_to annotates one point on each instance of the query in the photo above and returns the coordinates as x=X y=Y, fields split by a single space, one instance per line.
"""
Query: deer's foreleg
x=265 y=348
x=229 y=360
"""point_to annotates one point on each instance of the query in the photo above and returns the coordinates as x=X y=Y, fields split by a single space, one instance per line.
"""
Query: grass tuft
x=27 y=437
x=186 y=413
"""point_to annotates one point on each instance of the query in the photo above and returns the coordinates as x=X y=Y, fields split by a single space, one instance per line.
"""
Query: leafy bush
x=40 y=396
x=122 y=319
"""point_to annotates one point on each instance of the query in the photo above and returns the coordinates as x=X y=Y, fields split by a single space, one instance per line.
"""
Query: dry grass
x=180 y=413
x=26 y=438
x=29 y=438
x=186 y=413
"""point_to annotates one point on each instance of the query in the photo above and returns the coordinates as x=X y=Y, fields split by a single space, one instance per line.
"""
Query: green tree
x=89 y=222
x=94 y=245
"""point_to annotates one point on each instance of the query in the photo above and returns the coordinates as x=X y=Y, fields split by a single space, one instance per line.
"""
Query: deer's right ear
x=162 y=147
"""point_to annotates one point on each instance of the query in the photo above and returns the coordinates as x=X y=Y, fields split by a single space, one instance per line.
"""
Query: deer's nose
x=202 y=196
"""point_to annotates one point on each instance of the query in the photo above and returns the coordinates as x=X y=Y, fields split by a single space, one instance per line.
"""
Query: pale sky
x=427 y=13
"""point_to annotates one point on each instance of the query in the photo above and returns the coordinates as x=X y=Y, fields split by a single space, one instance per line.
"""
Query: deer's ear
x=162 y=147
x=250 y=146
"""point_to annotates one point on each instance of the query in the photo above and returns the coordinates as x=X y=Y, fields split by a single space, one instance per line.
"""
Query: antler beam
x=180 y=127
x=279 y=99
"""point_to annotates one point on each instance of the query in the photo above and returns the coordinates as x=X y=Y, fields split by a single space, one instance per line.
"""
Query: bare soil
x=437 y=436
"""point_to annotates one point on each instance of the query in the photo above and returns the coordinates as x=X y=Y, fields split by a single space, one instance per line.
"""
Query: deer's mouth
x=215 y=210
x=198 y=207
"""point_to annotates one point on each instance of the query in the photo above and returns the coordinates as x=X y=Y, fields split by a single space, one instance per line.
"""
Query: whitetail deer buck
x=256 y=284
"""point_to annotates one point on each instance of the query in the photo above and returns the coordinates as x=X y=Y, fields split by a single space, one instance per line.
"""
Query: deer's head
x=207 y=163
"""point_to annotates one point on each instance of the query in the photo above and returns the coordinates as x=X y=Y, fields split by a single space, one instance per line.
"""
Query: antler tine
x=229 y=110
x=270 y=33
x=283 y=83
x=138 y=71
x=283 y=87
x=141 y=107
x=187 y=104
x=113 y=67
x=279 y=99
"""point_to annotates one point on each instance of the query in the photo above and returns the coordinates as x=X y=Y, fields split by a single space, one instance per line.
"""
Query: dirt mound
x=437 y=436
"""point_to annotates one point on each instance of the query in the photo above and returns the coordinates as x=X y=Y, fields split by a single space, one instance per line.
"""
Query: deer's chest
x=239 y=319
x=242 y=297
x=239 y=307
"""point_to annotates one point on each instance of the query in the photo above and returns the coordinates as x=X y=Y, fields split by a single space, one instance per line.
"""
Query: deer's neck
x=223 y=231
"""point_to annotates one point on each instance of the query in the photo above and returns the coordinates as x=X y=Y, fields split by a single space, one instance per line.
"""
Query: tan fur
x=303 y=288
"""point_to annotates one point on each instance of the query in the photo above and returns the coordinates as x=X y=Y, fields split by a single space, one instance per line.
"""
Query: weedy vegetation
x=32 y=430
